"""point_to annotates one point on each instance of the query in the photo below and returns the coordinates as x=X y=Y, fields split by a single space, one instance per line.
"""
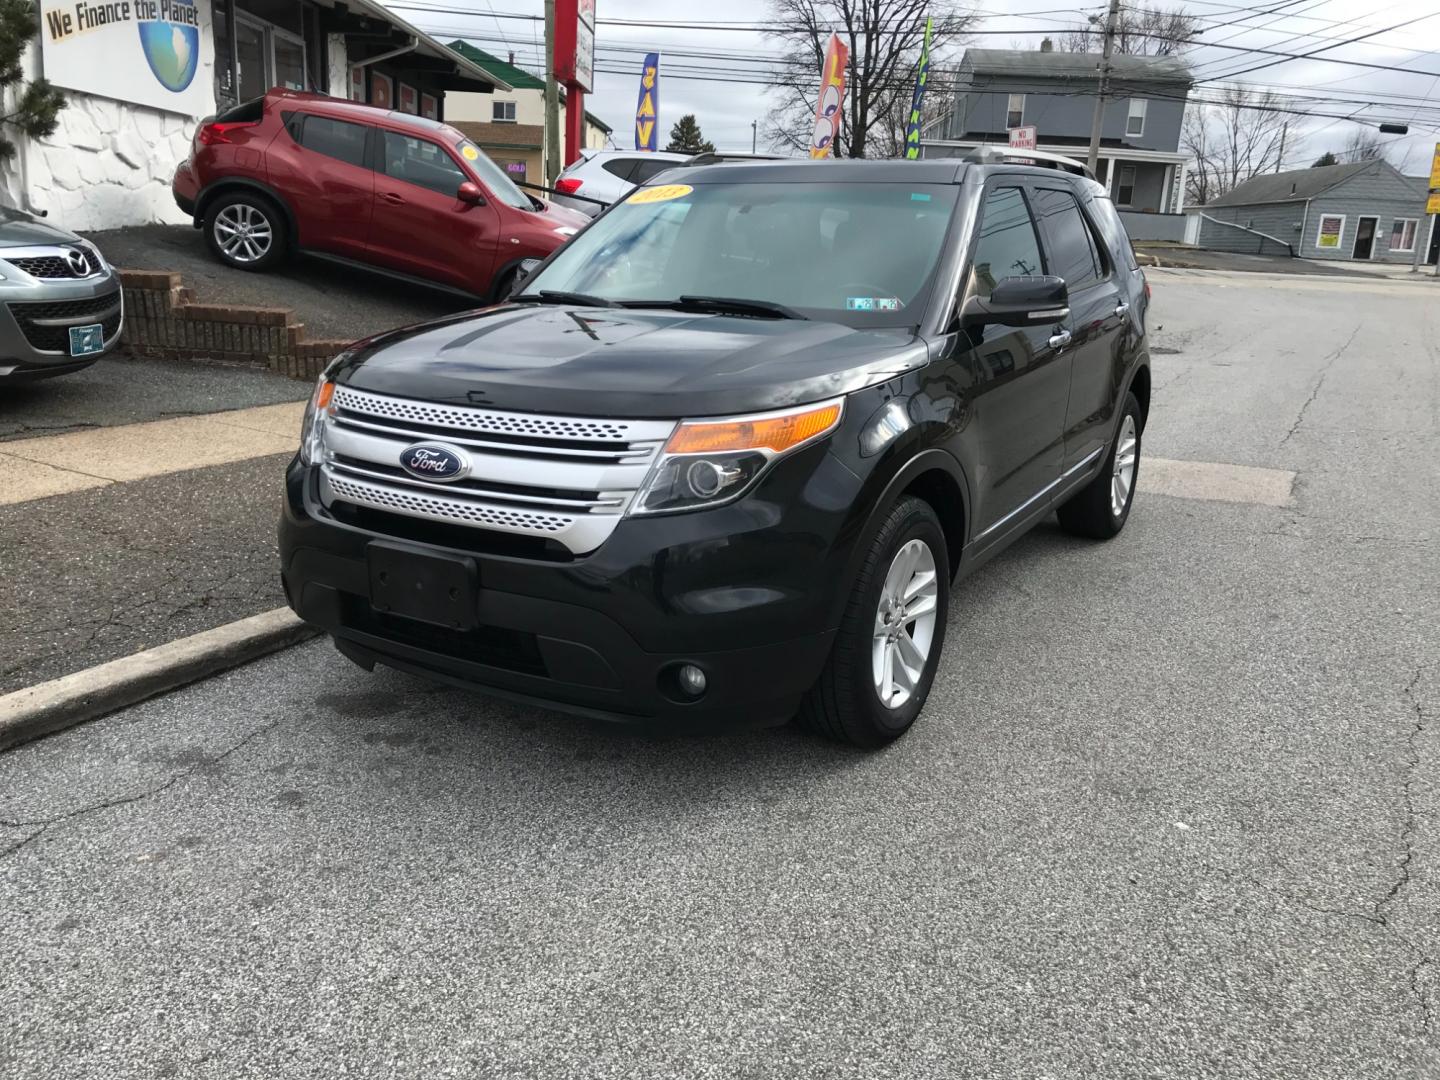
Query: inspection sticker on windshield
x=663 y=193
x=871 y=303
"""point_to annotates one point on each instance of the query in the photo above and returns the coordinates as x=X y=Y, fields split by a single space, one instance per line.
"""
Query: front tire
x=1100 y=509
x=246 y=230
x=888 y=646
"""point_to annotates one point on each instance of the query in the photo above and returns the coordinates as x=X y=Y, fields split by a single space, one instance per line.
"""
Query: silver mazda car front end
x=61 y=305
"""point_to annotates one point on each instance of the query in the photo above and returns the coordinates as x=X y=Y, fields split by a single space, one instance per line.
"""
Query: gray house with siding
x=1140 y=159
x=1363 y=210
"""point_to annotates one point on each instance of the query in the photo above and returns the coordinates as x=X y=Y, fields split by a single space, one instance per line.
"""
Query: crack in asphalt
x=1329 y=362
x=46 y=823
x=1378 y=915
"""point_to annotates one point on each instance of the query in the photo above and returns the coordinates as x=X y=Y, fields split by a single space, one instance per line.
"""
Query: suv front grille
x=46 y=324
x=51 y=266
x=559 y=478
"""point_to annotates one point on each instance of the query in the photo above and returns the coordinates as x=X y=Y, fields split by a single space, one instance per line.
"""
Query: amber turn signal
x=777 y=432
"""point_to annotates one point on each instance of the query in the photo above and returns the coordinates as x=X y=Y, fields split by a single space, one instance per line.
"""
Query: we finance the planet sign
x=150 y=52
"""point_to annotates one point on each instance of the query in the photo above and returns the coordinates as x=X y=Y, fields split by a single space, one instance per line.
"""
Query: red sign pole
x=574 y=66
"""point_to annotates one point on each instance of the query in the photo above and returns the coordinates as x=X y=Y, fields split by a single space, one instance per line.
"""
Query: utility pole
x=1280 y=161
x=552 y=100
x=1110 y=20
x=752 y=136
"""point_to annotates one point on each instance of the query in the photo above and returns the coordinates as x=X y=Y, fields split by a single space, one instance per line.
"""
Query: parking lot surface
x=335 y=302
x=1171 y=810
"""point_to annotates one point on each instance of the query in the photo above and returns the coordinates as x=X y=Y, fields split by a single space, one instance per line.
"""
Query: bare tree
x=1231 y=142
x=1363 y=146
x=884 y=38
x=1139 y=31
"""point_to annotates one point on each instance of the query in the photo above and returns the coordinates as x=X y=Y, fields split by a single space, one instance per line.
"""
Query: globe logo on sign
x=173 y=51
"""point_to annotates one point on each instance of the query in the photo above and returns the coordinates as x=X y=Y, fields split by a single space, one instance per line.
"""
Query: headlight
x=312 y=429
x=707 y=462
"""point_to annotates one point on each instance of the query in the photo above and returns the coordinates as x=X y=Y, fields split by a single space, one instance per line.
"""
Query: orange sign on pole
x=832 y=97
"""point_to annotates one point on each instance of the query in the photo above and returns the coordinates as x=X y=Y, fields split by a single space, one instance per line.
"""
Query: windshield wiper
x=723 y=305
x=556 y=296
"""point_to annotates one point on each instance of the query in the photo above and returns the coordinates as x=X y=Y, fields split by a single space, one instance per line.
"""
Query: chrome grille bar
x=568 y=479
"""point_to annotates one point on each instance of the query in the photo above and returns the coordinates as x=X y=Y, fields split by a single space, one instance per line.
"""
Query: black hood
x=626 y=363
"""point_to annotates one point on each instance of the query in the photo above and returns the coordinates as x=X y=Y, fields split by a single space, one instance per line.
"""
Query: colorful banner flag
x=922 y=76
x=832 y=98
x=647 y=108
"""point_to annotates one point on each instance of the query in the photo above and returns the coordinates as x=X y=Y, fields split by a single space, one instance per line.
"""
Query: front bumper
x=744 y=592
x=35 y=316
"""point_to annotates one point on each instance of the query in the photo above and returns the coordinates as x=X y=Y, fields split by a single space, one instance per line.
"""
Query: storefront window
x=250 y=59
x=289 y=61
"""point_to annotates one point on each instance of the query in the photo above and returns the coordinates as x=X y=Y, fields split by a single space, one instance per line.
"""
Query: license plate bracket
x=87 y=340
x=439 y=589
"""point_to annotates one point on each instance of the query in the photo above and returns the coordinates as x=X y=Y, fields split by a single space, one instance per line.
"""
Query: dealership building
x=140 y=74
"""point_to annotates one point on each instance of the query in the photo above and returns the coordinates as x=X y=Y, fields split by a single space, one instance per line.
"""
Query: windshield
x=493 y=177
x=863 y=254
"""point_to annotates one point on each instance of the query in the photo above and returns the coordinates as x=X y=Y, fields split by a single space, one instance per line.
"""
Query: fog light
x=692 y=680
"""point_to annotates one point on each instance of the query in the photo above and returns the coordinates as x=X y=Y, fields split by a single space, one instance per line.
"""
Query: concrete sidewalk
x=117 y=536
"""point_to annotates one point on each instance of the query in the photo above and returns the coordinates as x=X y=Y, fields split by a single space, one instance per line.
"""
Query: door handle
x=1060 y=340
x=392 y=198
x=1122 y=307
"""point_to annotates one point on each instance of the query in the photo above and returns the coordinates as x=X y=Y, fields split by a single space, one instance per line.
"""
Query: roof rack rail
x=715 y=157
x=994 y=155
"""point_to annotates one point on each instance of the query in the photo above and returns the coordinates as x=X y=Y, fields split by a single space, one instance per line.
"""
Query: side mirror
x=1019 y=301
x=470 y=193
x=523 y=271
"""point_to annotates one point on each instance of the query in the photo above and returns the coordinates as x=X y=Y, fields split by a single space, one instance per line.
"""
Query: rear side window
x=1107 y=218
x=1067 y=239
x=647 y=168
x=334 y=138
x=1007 y=246
x=621 y=167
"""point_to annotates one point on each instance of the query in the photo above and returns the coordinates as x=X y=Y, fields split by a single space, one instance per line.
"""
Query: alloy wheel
x=243 y=232
x=905 y=624
x=1123 y=476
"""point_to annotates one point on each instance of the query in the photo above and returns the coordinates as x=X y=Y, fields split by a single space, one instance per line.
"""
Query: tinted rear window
x=649 y=167
x=1067 y=238
x=1107 y=218
x=334 y=138
x=621 y=167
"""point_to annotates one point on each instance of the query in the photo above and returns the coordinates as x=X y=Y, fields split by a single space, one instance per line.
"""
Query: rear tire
x=246 y=230
x=898 y=606
x=1100 y=509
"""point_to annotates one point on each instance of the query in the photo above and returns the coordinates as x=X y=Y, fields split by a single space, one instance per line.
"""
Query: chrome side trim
x=1046 y=490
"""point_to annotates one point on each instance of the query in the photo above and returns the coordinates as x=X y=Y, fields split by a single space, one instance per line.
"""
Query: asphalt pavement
x=1171 y=811
x=335 y=302
x=97 y=574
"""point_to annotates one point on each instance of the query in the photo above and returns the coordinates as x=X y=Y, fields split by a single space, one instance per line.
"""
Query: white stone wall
x=108 y=164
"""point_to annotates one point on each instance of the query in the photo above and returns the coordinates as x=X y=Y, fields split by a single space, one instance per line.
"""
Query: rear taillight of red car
x=222 y=131
x=568 y=185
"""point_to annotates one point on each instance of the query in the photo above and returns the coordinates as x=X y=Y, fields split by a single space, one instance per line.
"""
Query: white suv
x=600 y=177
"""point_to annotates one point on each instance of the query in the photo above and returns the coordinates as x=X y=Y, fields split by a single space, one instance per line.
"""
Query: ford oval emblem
x=434 y=461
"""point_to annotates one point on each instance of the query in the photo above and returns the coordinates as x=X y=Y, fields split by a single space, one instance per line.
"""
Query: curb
x=73 y=699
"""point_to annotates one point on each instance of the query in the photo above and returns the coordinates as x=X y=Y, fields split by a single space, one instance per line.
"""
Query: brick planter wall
x=163 y=320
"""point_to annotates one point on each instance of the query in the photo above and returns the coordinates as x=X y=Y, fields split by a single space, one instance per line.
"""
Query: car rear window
x=1068 y=243
x=649 y=167
x=334 y=138
x=621 y=167
x=1107 y=219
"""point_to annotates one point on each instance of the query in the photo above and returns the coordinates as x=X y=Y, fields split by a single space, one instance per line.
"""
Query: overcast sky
x=726 y=109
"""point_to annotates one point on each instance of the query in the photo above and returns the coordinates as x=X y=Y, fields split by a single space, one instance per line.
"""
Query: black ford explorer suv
x=725 y=453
